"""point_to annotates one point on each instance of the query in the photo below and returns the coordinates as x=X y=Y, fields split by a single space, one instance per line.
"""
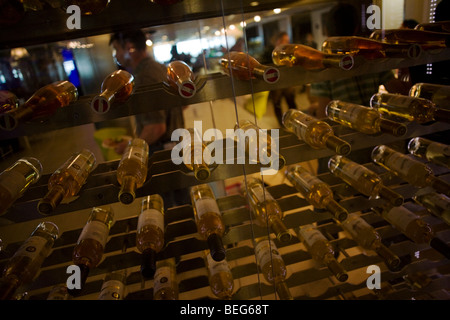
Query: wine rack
x=304 y=278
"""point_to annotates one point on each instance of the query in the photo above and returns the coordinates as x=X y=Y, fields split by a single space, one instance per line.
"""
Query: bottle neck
x=391 y=259
x=267 y=73
x=127 y=190
x=393 y=197
x=51 y=200
x=342 y=61
x=392 y=127
x=283 y=291
x=336 y=210
x=8 y=286
x=337 y=145
x=279 y=229
x=336 y=269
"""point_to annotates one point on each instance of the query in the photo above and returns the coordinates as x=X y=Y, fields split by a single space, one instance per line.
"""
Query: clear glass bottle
x=88 y=251
x=316 y=133
x=437 y=93
x=181 y=78
x=309 y=58
x=59 y=292
x=265 y=208
x=118 y=86
x=368 y=48
x=165 y=283
x=132 y=169
x=414 y=227
x=435 y=152
x=16 y=179
x=272 y=266
x=408 y=108
x=193 y=157
x=408 y=169
x=436 y=203
x=321 y=250
x=24 y=265
x=8 y=101
x=220 y=277
x=362 y=119
x=315 y=191
x=41 y=105
x=114 y=286
x=369 y=239
x=363 y=179
x=258 y=145
x=67 y=180
x=427 y=39
x=242 y=66
x=440 y=26
x=208 y=218
x=150 y=233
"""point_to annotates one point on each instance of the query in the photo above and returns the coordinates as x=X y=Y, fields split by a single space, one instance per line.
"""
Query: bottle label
x=308 y=180
x=353 y=170
x=355 y=225
x=32 y=247
x=95 y=230
x=112 y=290
x=137 y=154
x=310 y=235
x=162 y=278
x=217 y=266
x=77 y=166
x=400 y=217
x=349 y=113
x=151 y=217
x=301 y=128
x=400 y=101
x=266 y=251
x=261 y=194
x=13 y=181
x=400 y=163
x=206 y=205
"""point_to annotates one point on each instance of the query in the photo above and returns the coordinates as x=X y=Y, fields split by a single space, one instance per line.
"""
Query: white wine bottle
x=193 y=156
x=411 y=170
x=435 y=152
x=114 y=286
x=437 y=93
x=363 y=180
x=436 y=203
x=220 y=277
x=165 y=283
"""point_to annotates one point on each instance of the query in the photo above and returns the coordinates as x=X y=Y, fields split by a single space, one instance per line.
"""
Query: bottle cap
x=338 y=145
x=47 y=204
x=339 y=212
x=271 y=75
x=441 y=247
x=339 y=272
x=187 y=89
x=100 y=105
x=126 y=194
x=280 y=230
x=216 y=247
x=395 y=128
x=8 y=122
x=148 y=264
x=391 y=259
x=84 y=270
x=202 y=173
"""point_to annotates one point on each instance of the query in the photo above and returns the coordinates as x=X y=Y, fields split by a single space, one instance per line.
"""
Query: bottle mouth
x=126 y=197
x=202 y=174
x=100 y=105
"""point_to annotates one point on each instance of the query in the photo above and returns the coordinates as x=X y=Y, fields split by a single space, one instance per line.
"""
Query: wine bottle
x=165 y=285
x=150 y=232
x=88 y=7
x=116 y=87
x=208 y=218
x=242 y=66
x=41 y=105
x=435 y=152
x=309 y=58
x=408 y=169
x=24 y=265
x=132 y=169
x=16 y=179
x=193 y=157
x=414 y=227
x=440 y=26
x=265 y=208
x=369 y=239
x=88 y=251
x=368 y=48
x=427 y=39
x=259 y=145
x=362 y=119
x=316 y=133
x=321 y=250
x=67 y=180
x=408 y=108
x=272 y=266
x=220 y=277
x=114 y=286
x=8 y=101
x=59 y=292
x=436 y=93
x=315 y=191
x=363 y=179
x=436 y=203
x=181 y=78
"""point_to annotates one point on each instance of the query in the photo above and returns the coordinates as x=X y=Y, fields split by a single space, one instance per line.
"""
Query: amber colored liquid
x=88 y=252
x=167 y=292
x=398 y=36
x=222 y=284
x=47 y=100
x=209 y=223
x=438 y=94
x=120 y=84
x=196 y=167
x=72 y=182
x=274 y=271
x=179 y=72
x=242 y=65
x=134 y=168
x=150 y=237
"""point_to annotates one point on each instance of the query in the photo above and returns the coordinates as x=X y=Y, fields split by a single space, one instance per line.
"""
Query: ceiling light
x=254 y=3
x=276 y=10
x=149 y=43
x=243 y=24
x=257 y=18
x=232 y=27
x=217 y=33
